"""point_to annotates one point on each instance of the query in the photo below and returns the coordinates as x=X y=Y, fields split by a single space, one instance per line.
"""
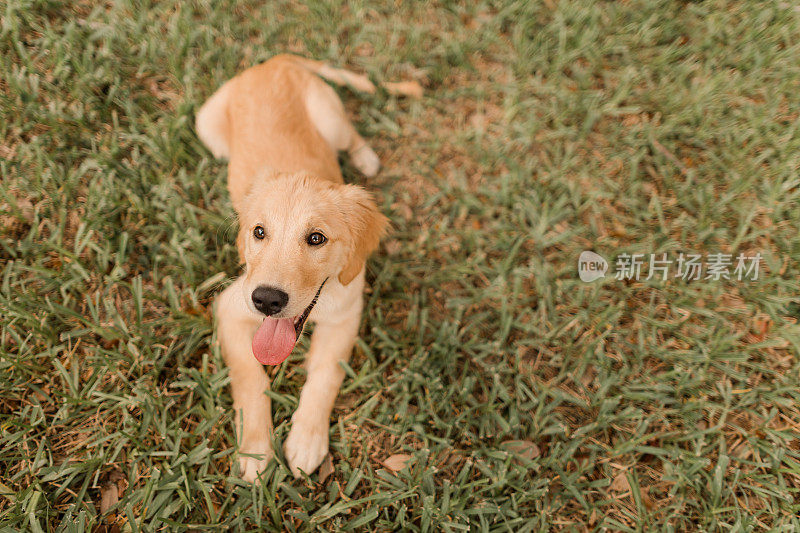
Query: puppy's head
x=295 y=234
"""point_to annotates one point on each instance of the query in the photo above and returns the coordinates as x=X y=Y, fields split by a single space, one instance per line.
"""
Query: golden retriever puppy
x=304 y=237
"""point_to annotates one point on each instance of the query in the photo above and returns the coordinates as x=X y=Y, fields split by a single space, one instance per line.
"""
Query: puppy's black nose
x=269 y=300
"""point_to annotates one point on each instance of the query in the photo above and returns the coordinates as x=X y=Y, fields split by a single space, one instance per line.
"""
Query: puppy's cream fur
x=280 y=127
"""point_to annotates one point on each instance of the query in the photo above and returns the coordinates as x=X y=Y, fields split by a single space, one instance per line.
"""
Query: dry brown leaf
x=326 y=468
x=404 y=88
x=588 y=376
x=648 y=502
x=24 y=205
x=106 y=528
x=112 y=489
x=741 y=450
x=620 y=483
x=109 y=496
x=396 y=462
x=523 y=448
x=392 y=246
x=477 y=121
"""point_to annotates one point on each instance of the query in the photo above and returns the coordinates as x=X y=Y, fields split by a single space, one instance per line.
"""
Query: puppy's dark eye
x=258 y=232
x=316 y=238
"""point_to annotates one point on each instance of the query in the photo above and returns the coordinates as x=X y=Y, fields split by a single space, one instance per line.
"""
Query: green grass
x=546 y=129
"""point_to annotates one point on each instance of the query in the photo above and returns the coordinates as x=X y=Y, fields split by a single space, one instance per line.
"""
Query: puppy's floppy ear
x=366 y=225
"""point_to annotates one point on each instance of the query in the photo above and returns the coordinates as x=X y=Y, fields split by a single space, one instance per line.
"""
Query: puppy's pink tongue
x=274 y=340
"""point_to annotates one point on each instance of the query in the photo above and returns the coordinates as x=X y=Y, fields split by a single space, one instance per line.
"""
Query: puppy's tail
x=340 y=76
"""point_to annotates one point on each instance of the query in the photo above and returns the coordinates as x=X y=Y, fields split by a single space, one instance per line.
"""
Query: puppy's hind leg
x=327 y=113
x=212 y=123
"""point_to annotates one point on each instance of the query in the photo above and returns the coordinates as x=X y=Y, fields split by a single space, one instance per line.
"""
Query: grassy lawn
x=526 y=399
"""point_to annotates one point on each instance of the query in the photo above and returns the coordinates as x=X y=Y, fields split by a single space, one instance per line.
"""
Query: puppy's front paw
x=366 y=161
x=306 y=445
x=253 y=460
